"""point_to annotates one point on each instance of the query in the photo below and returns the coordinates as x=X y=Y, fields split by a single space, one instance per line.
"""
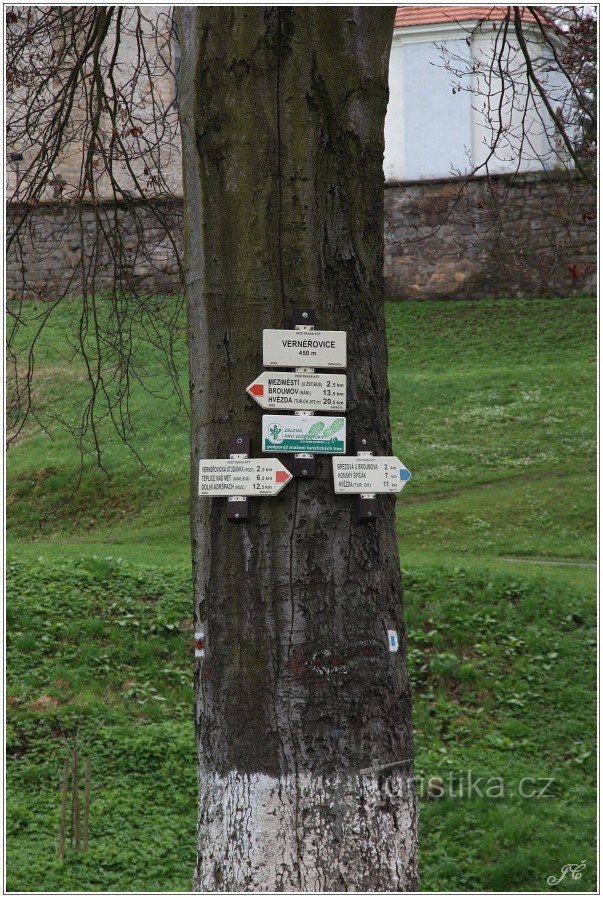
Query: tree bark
x=282 y=112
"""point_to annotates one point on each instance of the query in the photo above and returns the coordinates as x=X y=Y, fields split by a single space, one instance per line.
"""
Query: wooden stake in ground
x=75 y=804
x=61 y=849
x=86 y=806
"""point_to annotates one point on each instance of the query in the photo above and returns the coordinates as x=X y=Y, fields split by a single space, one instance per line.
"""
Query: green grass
x=103 y=650
x=492 y=407
x=493 y=410
x=105 y=647
x=493 y=662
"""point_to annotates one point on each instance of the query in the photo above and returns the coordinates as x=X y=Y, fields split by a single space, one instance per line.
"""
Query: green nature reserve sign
x=303 y=433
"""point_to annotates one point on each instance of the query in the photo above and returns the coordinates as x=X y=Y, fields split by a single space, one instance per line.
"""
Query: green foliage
x=134 y=493
x=503 y=674
x=493 y=411
x=107 y=655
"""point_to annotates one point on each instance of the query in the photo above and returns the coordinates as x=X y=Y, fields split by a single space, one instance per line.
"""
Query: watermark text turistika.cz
x=462 y=785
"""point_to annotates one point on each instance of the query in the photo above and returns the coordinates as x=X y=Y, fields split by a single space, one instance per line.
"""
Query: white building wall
x=393 y=162
x=511 y=128
x=432 y=132
x=427 y=126
x=437 y=123
x=144 y=26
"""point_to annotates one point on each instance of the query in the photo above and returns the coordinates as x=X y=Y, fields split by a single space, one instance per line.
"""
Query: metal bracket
x=304 y=463
x=366 y=503
x=237 y=507
x=304 y=318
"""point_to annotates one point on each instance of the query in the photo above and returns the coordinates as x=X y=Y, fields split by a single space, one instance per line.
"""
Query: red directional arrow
x=242 y=476
x=299 y=390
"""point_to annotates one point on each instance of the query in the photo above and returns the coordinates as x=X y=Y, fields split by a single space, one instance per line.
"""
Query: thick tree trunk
x=282 y=115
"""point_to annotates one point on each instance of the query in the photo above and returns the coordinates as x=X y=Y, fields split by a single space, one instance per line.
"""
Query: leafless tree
x=91 y=130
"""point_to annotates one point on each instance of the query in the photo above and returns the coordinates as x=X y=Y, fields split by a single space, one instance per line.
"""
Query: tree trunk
x=282 y=113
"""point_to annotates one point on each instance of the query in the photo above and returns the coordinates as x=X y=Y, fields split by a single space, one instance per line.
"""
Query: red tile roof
x=437 y=15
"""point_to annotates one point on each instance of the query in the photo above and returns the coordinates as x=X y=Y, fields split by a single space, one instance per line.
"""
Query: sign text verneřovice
x=298 y=349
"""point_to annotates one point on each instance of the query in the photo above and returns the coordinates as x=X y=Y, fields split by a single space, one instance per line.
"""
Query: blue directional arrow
x=405 y=474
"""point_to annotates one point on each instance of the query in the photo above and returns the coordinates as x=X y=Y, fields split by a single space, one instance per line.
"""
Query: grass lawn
x=493 y=410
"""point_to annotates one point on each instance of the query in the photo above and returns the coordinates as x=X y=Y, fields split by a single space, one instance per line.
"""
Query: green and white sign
x=303 y=433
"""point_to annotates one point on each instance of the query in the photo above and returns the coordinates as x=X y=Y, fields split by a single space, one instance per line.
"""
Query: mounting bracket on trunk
x=366 y=503
x=239 y=446
x=304 y=463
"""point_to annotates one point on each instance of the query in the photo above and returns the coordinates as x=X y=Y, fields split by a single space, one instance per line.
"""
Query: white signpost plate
x=242 y=476
x=369 y=474
x=304 y=349
x=288 y=390
x=303 y=433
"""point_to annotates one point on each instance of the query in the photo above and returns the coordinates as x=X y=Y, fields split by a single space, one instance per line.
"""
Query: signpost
x=364 y=475
x=299 y=390
x=303 y=433
x=304 y=348
x=242 y=477
x=358 y=474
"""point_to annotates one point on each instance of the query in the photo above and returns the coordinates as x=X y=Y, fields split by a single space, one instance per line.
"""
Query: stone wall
x=509 y=235
x=529 y=235
x=64 y=249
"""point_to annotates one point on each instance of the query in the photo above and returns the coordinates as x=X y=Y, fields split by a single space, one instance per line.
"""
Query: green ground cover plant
x=104 y=648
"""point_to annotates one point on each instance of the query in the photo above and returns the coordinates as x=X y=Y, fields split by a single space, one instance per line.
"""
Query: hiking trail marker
x=365 y=475
x=300 y=390
x=304 y=348
x=369 y=474
x=303 y=433
x=239 y=476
